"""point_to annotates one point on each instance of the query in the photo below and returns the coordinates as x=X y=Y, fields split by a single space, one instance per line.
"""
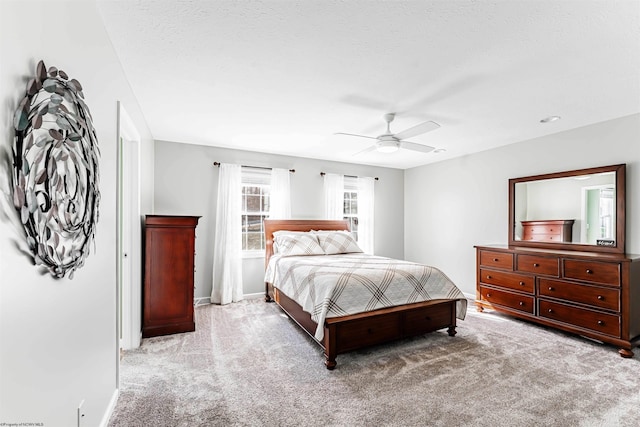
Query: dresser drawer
x=496 y=259
x=519 y=282
x=589 y=319
x=538 y=264
x=541 y=229
x=598 y=297
x=512 y=300
x=606 y=273
x=547 y=231
x=544 y=237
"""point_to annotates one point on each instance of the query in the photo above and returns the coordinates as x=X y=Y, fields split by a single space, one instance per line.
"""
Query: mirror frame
x=620 y=179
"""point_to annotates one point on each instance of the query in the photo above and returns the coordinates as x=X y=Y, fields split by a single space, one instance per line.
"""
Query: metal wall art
x=56 y=173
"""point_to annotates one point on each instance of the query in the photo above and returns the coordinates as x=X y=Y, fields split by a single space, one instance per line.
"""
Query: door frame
x=129 y=289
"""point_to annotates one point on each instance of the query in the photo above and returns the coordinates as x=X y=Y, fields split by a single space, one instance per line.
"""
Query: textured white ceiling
x=284 y=76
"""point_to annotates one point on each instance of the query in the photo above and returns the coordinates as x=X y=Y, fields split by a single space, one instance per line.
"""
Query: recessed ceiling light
x=550 y=119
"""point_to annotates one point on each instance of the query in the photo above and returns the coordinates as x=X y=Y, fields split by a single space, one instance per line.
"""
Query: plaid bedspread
x=328 y=286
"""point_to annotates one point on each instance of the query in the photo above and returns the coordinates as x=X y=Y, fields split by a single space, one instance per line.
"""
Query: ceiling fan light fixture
x=387 y=147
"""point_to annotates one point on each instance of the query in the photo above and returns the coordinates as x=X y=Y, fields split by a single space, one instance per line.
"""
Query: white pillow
x=297 y=243
x=280 y=233
x=337 y=242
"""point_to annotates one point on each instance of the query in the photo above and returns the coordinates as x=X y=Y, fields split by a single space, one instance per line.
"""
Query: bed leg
x=452 y=331
x=330 y=348
x=330 y=363
x=267 y=297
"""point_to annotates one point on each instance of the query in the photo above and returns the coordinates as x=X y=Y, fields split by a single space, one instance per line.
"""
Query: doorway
x=598 y=208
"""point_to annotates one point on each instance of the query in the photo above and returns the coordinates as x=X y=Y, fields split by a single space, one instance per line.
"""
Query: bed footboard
x=348 y=333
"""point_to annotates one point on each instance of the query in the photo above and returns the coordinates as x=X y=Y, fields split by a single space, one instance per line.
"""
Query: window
x=351 y=211
x=255 y=209
x=350 y=204
x=256 y=191
x=351 y=198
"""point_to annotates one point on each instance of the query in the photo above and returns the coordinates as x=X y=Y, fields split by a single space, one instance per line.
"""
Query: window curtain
x=280 y=202
x=333 y=196
x=255 y=176
x=365 y=214
x=227 y=246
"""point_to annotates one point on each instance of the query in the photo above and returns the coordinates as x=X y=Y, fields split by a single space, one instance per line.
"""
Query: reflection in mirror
x=577 y=209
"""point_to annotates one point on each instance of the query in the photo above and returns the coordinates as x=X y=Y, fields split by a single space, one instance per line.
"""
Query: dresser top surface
x=576 y=254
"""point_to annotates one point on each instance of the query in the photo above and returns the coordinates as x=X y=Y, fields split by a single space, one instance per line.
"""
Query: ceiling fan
x=389 y=142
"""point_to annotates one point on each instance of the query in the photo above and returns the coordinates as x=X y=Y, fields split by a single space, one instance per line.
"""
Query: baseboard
x=253 y=296
x=201 y=301
x=470 y=297
x=207 y=300
x=112 y=406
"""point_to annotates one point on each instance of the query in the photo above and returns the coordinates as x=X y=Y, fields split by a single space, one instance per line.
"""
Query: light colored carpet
x=247 y=364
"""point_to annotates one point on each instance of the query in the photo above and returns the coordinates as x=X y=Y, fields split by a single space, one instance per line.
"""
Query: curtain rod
x=254 y=167
x=349 y=176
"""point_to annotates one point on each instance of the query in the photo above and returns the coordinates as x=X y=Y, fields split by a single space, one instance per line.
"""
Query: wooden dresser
x=169 y=249
x=549 y=231
x=596 y=295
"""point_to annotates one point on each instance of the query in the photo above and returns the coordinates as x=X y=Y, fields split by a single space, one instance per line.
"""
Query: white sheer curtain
x=333 y=196
x=227 y=246
x=365 y=213
x=280 y=203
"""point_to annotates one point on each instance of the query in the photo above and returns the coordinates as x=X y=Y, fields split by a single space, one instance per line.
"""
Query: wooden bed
x=352 y=332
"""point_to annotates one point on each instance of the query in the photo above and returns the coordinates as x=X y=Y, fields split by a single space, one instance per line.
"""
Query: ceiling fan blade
x=416 y=147
x=417 y=130
x=366 y=150
x=353 y=134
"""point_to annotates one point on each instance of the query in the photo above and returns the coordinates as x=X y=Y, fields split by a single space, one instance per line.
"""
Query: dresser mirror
x=576 y=210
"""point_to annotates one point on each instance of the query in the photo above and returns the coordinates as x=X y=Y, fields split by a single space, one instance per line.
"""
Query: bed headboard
x=273 y=225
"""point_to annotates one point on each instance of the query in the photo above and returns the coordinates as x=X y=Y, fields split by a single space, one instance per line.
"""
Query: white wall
x=453 y=205
x=58 y=337
x=186 y=183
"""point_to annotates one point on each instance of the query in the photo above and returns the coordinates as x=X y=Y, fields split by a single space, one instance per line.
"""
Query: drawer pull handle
x=488 y=277
x=589 y=271
x=535 y=264
x=550 y=311
x=521 y=283
x=496 y=260
x=600 y=323
x=488 y=295
x=521 y=304
x=600 y=297
x=550 y=288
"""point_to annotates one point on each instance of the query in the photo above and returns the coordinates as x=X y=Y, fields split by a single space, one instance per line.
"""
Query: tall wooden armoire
x=169 y=252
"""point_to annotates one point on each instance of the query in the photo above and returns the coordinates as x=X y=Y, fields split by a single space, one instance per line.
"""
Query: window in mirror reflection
x=585 y=204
